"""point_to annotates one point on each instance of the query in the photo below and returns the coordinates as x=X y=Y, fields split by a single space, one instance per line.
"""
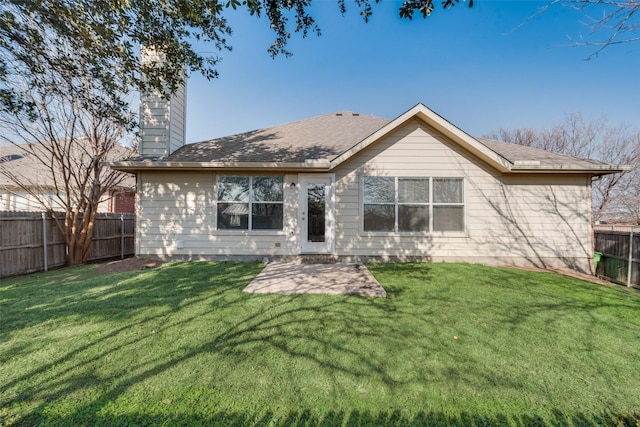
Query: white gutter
x=596 y=170
x=147 y=165
x=314 y=165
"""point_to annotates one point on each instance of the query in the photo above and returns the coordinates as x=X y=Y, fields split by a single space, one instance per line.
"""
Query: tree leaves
x=106 y=36
x=66 y=141
x=424 y=7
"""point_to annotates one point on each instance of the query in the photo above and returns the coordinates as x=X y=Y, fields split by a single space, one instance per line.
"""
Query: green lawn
x=452 y=344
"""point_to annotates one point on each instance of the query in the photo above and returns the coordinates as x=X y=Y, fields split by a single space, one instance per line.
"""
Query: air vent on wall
x=10 y=157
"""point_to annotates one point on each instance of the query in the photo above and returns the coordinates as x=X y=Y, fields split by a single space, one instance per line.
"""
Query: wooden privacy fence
x=30 y=241
x=620 y=260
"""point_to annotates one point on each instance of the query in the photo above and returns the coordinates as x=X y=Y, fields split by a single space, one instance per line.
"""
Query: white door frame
x=304 y=245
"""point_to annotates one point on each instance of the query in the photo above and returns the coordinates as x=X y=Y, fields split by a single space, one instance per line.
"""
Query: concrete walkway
x=333 y=279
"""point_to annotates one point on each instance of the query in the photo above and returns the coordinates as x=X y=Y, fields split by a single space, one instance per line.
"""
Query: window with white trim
x=250 y=203
x=448 y=204
x=405 y=205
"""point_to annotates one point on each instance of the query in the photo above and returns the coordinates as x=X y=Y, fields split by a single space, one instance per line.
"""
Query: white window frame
x=431 y=205
x=250 y=202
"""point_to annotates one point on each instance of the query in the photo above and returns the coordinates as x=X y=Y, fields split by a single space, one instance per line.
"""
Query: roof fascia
x=128 y=166
x=595 y=170
x=443 y=126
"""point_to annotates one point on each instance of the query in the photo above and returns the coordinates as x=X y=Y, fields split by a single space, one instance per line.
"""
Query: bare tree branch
x=615 y=196
x=67 y=145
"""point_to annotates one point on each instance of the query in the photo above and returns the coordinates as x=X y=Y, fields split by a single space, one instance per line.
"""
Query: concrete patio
x=333 y=279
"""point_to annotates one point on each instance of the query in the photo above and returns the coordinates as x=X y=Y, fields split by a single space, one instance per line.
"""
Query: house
x=18 y=163
x=357 y=187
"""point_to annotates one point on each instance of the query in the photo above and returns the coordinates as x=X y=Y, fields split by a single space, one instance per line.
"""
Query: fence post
x=629 y=269
x=44 y=240
x=121 y=236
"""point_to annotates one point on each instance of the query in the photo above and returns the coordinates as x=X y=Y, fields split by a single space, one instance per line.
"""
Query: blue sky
x=479 y=68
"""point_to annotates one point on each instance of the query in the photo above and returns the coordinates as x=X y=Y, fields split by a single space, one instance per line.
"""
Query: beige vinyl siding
x=154 y=129
x=5 y=199
x=527 y=220
x=177 y=117
x=179 y=209
x=162 y=123
x=154 y=115
x=16 y=199
x=539 y=220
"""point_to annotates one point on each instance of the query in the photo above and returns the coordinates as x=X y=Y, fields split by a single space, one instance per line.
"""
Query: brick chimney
x=162 y=121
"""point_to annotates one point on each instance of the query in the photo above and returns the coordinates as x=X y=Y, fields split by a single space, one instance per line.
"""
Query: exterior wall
x=162 y=121
x=5 y=200
x=177 y=119
x=177 y=218
x=122 y=202
x=18 y=200
x=523 y=220
x=526 y=220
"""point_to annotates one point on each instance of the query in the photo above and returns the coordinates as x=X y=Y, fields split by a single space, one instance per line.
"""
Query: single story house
x=356 y=187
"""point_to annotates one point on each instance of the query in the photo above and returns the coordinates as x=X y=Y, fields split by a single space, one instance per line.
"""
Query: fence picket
x=620 y=260
x=31 y=242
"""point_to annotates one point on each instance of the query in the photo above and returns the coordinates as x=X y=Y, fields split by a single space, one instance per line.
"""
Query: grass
x=452 y=344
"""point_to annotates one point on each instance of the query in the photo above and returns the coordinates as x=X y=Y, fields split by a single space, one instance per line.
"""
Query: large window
x=448 y=204
x=250 y=203
x=413 y=204
x=379 y=203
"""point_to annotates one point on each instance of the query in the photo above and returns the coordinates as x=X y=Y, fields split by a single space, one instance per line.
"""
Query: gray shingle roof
x=328 y=136
x=523 y=155
x=17 y=161
x=322 y=137
x=333 y=138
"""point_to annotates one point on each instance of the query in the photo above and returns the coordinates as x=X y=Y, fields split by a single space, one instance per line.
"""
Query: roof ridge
x=308 y=119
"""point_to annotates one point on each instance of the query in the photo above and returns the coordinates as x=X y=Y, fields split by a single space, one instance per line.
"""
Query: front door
x=316 y=218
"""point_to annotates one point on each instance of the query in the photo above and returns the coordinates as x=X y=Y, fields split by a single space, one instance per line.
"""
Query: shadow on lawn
x=86 y=296
x=172 y=299
x=307 y=418
x=81 y=292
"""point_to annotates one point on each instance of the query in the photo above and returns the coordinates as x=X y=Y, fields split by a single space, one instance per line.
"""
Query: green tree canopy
x=107 y=34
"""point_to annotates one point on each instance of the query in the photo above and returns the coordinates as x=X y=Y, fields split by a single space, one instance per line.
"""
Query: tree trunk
x=76 y=255
x=80 y=238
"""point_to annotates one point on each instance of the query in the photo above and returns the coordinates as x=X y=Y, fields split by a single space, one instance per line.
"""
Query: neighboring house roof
x=16 y=161
x=237 y=209
x=322 y=143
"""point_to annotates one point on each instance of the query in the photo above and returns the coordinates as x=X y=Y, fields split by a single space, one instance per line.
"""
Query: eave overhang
x=475 y=147
x=569 y=169
x=146 y=165
x=420 y=111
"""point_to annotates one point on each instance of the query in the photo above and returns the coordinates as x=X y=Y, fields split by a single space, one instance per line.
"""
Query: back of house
x=355 y=187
